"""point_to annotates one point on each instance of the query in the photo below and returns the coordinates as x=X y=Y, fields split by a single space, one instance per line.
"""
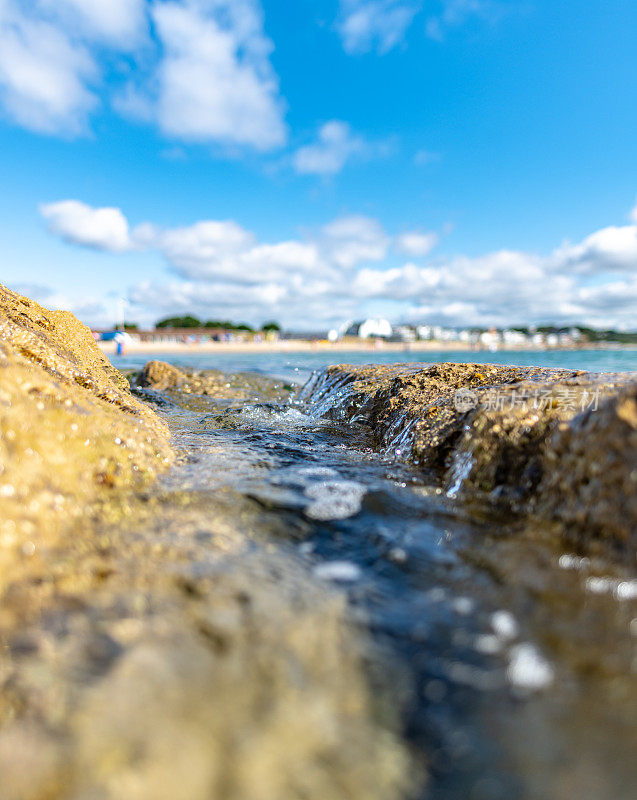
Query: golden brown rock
x=70 y=430
x=149 y=649
x=561 y=444
x=162 y=376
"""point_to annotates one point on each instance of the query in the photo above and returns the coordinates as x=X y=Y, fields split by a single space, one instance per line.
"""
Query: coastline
x=306 y=346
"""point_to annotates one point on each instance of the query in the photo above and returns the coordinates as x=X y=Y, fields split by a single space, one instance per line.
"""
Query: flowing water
x=509 y=659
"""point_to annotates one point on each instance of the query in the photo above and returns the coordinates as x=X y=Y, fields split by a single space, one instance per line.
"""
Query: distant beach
x=305 y=345
x=281 y=346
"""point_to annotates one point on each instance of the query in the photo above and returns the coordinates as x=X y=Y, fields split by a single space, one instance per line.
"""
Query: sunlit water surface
x=299 y=366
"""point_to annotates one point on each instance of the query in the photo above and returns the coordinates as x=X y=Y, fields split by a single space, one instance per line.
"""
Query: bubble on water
x=398 y=555
x=463 y=605
x=436 y=595
x=504 y=625
x=528 y=669
x=339 y=571
x=314 y=473
x=334 y=499
x=598 y=585
x=626 y=590
x=568 y=561
x=487 y=643
x=621 y=590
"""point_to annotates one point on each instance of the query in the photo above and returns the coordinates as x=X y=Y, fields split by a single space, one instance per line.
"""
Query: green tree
x=179 y=322
x=127 y=326
x=271 y=326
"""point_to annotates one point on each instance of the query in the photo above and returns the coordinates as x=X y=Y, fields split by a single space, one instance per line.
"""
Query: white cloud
x=44 y=75
x=204 y=76
x=351 y=264
x=633 y=214
x=98 y=228
x=348 y=241
x=215 y=80
x=335 y=146
x=223 y=250
x=454 y=13
x=366 y=25
x=204 y=249
x=415 y=243
x=613 y=248
x=121 y=23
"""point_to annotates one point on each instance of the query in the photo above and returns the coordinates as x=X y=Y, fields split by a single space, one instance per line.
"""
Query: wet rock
x=70 y=429
x=558 y=444
x=184 y=385
x=148 y=649
x=162 y=376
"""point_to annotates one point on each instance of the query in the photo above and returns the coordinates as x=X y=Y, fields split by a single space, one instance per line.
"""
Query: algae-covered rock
x=69 y=427
x=561 y=444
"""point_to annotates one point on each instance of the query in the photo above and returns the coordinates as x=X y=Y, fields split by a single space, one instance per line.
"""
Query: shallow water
x=299 y=366
x=509 y=659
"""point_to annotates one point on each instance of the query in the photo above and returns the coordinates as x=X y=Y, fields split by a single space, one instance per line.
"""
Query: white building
x=373 y=328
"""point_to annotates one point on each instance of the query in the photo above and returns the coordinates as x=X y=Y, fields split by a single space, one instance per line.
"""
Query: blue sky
x=451 y=161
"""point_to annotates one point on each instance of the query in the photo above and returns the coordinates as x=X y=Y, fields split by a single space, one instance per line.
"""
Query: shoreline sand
x=304 y=346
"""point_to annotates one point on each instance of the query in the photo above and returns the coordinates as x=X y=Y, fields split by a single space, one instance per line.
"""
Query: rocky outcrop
x=70 y=430
x=149 y=649
x=163 y=383
x=161 y=376
x=558 y=444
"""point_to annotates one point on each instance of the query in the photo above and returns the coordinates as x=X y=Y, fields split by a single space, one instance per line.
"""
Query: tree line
x=189 y=321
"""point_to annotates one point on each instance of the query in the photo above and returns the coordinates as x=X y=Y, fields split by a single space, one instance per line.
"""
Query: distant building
x=515 y=338
x=373 y=328
x=405 y=333
x=425 y=332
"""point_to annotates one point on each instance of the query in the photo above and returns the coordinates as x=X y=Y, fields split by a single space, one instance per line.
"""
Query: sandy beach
x=285 y=346
x=305 y=346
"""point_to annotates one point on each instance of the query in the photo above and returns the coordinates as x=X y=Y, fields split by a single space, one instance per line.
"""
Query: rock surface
x=149 y=649
x=70 y=429
x=558 y=444
x=163 y=377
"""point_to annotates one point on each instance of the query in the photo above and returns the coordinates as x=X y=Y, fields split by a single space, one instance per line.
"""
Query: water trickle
x=487 y=633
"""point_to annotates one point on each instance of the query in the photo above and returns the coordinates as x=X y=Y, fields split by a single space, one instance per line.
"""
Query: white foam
x=528 y=669
x=626 y=590
x=315 y=473
x=504 y=625
x=599 y=585
x=487 y=643
x=568 y=561
x=339 y=571
x=463 y=605
x=621 y=590
x=460 y=470
x=334 y=499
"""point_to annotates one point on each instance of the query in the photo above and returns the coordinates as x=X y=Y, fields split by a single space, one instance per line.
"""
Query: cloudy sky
x=449 y=161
